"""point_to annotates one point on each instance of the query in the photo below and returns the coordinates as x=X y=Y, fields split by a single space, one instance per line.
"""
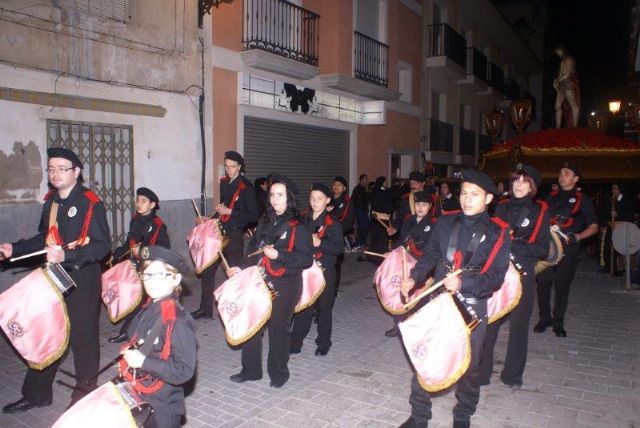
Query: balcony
x=280 y=37
x=446 y=48
x=512 y=89
x=370 y=71
x=441 y=136
x=496 y=77
x=476 y=69
x=467 y=142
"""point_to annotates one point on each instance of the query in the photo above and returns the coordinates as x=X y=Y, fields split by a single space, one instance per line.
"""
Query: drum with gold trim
x=556 y=252
x=122 y=290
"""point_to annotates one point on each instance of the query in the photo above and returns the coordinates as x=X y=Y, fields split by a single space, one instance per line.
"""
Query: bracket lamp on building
x=614 y=106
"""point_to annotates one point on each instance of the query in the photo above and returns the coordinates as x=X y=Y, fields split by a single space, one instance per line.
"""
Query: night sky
x=596 y=33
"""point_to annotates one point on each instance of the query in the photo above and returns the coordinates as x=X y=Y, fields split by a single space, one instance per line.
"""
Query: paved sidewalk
x=589 y=379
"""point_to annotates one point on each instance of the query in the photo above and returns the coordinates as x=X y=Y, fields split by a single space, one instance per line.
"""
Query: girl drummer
x=287 y=250
x=529 y=230
x=165 y=333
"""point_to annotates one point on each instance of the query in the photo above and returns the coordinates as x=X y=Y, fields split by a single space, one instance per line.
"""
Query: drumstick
x=195 y=207
x=255 y=253
x=37 y=253
x=371 y=253
x=383 y=225
x=431 y=289
x=224 y=262
x=404 y=269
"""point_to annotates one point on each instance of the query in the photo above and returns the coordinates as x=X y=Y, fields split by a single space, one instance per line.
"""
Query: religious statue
x=567 y=86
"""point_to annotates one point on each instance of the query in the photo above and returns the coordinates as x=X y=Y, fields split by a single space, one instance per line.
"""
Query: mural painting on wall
x=20 y=173
x=295 y=98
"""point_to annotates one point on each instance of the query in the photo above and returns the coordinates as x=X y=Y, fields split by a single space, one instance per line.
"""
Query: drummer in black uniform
x=342 y=208
x=287 y=250
x=237 y=210
x=406 y=207
x=145 y=228
x=328 y=245
x=74 y=230
x=529 y=231
x=166 y=338
x=573 y=212
x=479 y=245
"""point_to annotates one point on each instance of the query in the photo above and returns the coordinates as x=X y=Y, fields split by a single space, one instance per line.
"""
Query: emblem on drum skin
x=196 y=246
x=15 y=329
x=110 y=295
x=396 y=281
x=72 y=212
x=231 y=309
x=419 y=351
x=144 y=253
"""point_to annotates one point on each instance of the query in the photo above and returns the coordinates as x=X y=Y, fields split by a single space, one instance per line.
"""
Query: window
x=405 y=81
x=117 y=10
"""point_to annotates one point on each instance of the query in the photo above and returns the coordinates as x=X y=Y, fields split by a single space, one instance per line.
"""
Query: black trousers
x=83 y=307
x=518 y=342
x=560 y=277
x=289 y=291
x=233 y=253
x=338 y=269
x=467 y=387
x=323 y=307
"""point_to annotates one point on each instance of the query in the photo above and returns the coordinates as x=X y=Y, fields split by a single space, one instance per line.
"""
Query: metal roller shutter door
x=303 y=153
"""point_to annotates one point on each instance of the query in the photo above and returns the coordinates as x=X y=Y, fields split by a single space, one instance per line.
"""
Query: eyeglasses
x=58 y=170
x=146 y=276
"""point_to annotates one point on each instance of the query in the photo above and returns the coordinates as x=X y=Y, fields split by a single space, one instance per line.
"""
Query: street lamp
x=614 y=106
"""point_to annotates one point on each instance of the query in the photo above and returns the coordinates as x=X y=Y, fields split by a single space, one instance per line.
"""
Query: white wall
x=167 y=150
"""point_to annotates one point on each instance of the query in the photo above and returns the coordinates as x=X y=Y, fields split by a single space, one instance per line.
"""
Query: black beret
x=417 y=176
x=276 y=178
x=236 y=157
x=61 y=152
x=322 y=188
x=149 y=194
x=423 y=196
x=531 y=172
x=573 y=167
x=479 y=178
x=340 y=180
x=157 y=252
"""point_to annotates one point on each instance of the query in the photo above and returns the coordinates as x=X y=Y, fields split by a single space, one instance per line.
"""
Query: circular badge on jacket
x=72 y=212
x=572 y=200
x=525 y=223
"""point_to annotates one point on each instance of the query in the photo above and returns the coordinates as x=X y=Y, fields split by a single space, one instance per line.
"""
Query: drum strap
x=453 y=243
x=454 y=256
x=236 y=195
x=475 y=241
x=53 y=235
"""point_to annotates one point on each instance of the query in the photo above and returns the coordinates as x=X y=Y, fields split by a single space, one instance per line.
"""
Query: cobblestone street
x=591 y=378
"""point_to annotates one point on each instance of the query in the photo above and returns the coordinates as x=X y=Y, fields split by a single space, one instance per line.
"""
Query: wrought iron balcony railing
x=467 y=142
x=282 y=28
x=371 y=62
x=496 y=77
x=476 y=64
x=441 y=136
x=445 y=41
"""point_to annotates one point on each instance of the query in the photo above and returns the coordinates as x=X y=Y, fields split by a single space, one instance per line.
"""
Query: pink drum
x=205 y=243
x=122 y=290
x=114 y=405
x=34 y=316
x=388 y=279
x=312 y=286
x=244 y=304
x=507 y=297
x=437 y=340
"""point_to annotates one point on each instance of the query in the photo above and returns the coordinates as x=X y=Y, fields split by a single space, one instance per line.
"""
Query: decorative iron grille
x=371 y=60
x=445 y=41
x=106 y=152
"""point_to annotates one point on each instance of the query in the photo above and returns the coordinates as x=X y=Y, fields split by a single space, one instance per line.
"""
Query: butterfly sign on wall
x=297 y=98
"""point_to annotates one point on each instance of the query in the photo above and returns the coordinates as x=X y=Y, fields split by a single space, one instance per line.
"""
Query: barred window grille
x=117 y=10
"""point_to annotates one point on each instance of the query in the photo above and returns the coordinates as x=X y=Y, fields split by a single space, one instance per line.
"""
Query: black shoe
x=201 y=313
x=461 y=424
x=541 y=326
x=392 y=332
x=22 y=405
x=242 y=377
x=559 y=331
x=277 y=383
x=294 y=350
x=119 y=338
x=412 y=423
x=510 y=383
x=321 y=352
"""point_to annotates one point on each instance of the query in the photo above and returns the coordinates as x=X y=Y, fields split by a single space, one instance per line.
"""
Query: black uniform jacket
x=484 y=272
x=180 y=364
x=625 y=208
x=144 y=230
x=572 y=210
x=72 y=212
x=449 y=204
x=329 y=231
x=414 y=234
x=240 y=196
x=292 y=240
x=528 y=227
x=343 y=210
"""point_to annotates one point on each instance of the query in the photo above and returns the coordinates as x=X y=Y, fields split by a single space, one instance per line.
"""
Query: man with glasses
x=74 y=231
